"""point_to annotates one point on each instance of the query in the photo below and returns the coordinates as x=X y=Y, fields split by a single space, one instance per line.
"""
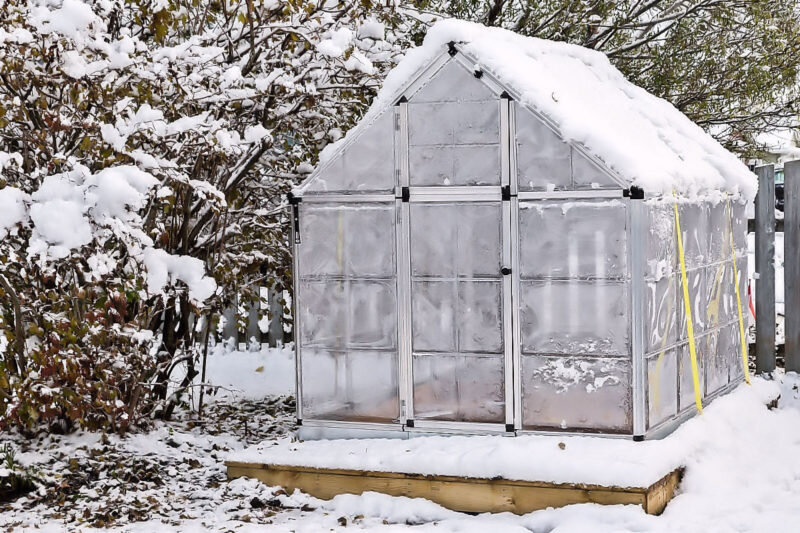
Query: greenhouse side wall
x=706 y=234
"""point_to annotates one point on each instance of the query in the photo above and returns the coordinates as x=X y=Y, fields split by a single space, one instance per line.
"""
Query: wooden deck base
x=471 y=495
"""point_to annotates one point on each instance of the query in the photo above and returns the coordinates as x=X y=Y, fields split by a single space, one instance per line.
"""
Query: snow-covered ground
x=742 y=473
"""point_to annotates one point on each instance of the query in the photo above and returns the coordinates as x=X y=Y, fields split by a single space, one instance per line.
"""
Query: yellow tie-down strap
x=742 y=338
x=687 y=304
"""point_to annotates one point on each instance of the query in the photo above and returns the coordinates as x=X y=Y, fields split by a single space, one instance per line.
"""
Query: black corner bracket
x=299 y=422
x=409 y=423
x=638 y=438
x=478 y=74
x=509 y=428
x=506 y=96
x=292 y=199
x=405 y=194
x=636 y=193
x=402 y=100
x=505 y=193
x=451 y=48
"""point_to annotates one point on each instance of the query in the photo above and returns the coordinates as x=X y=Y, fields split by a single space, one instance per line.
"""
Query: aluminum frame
x=637 y=219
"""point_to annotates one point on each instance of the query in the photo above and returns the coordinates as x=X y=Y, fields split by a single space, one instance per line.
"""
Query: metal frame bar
x=506 y=252
x=298 y=366
x=403 y=233
x=456 y=194
x=346 y=198
x=588 y=194
x=444 y=426
x=637 y=222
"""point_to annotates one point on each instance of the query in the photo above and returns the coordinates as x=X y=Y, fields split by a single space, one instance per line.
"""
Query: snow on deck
x=553 y=459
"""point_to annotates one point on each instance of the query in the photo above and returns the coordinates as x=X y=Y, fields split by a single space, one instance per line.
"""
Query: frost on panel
x=729 y=344
x=694 y=219
x=461 y=388
x=543 y=158
x=686 y=393
x=347 y=240
x=479 y=316
x=574 y=317
x=454 y=143
x=719 y=235
x=365 y=165
x=716 y=363
x=450 y=240
x=662 y=387
x=586 y=174
x=573 y=239
x=576 y=393
x=720 y=305
x=345 y=314
x=699 y=300
x=660 y=244
x=353 y=386
x=660 y=313
x=739 y=227
x=433 y=309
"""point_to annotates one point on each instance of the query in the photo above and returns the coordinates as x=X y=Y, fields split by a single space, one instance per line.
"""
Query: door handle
x=505 y=271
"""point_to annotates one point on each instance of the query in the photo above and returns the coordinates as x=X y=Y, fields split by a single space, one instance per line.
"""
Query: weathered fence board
x=791 y=262
x=765 y=269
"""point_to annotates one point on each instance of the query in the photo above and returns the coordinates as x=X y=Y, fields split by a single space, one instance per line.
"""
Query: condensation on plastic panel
x=365 y=165
x=573 y=239
x=685 y=380
x=739 y=224
x=462 y=316
x=454 y=143
x=720 y=304
x=662 y=387
x=347 y=313
x=353 y=385
x=660 y=246
x=661 y=306
x=347 y=240
x=694 y=218
x=716 y=363
x=698 y=298
x=453 y=83
x=728 y=343
x=543 y=158
x=460 y=388
x=587 y=175
x=449 y=240
x=573 y=393
x=575 y=317
x=719 y=232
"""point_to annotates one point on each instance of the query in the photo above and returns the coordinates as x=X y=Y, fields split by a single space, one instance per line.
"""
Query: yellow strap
x=689 y=323
x=738 y=297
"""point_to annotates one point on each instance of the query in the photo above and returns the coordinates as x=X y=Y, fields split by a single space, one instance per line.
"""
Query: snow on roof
x=644 y=139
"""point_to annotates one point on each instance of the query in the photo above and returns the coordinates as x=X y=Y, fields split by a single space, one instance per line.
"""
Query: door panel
x=459 y=310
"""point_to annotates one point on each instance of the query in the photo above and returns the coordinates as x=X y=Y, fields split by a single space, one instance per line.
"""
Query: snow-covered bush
x=145 y=149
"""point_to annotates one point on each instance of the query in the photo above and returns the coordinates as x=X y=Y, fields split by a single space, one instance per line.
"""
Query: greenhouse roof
x=641 y=138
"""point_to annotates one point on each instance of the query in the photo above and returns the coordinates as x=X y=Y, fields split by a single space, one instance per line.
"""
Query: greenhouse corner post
x=765 y=270
x=791 y=243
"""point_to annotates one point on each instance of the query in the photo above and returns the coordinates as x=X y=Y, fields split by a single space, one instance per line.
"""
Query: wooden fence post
x=791 y=264
x=765 y=270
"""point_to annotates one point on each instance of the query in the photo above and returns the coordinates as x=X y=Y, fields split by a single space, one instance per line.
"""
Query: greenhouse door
x=459 y=285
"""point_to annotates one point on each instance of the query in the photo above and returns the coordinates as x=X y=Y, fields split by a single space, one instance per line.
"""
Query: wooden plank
x=765 y=270
x=791 y=266
x=474 y=495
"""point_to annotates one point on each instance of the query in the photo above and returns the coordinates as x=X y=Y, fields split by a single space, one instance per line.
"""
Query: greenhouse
x=494 y=249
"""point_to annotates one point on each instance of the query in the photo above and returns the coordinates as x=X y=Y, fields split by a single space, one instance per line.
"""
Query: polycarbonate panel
x=449 y=240
x=453 y=123
x=660 y=244
x=662 y=387
x=716 y=363
x=472 y=164
x=480 y=308
x=719 y=235
x=453 y=83
x=365 y=165
x=347 y=240
x=729 y=344
x=660 y=313
x=739 y=227
x=573 y=239
x=460 y=388
x=720 y=305
x=347 y=313
x=570 y=393
x=698 y=298
x=574 y=317
x=543 y=158
x=352 y=386
x=685 y=379
x=588 y=175
x=694 y=220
